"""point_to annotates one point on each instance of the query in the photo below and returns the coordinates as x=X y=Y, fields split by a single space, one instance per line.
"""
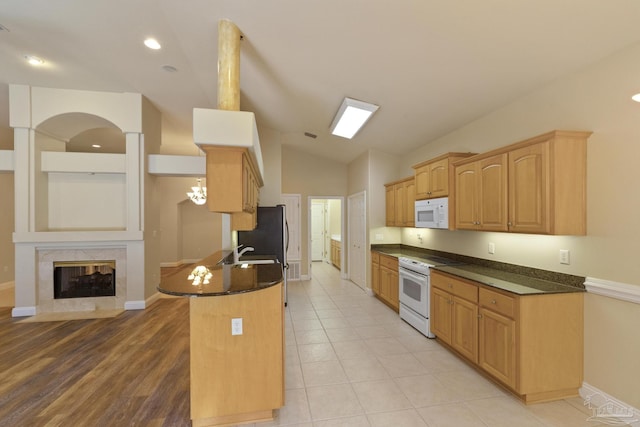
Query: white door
x=292 y=206
x=317 y=230
x=357 y=239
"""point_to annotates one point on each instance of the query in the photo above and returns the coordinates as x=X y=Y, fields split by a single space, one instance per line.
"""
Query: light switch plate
x=236 y=326
x=491 y=248
x=565 y=256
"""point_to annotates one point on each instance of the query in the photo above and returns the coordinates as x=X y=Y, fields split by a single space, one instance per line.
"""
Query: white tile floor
x=351 y=361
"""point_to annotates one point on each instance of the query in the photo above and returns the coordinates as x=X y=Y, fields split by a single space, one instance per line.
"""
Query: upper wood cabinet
x=481 y=194
x=400 y=202
x=534 y=186
x=233 y=185
x=433 y=177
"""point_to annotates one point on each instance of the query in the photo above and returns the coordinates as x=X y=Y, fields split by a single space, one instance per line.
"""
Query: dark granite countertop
x=511 y=282
x=223 y=279
x=512 y=278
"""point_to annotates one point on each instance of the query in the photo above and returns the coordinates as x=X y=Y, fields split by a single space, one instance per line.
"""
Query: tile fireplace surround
x=46 y=258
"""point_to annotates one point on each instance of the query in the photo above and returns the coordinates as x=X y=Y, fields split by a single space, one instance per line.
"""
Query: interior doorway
x=326 y=234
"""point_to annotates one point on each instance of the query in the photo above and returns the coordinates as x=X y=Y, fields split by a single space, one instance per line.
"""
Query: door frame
x=343 y=237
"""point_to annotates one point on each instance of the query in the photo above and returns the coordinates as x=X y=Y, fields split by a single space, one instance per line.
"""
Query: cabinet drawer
x=389 y=262
x=455 y=286
x=498 y=302
x=375 y=257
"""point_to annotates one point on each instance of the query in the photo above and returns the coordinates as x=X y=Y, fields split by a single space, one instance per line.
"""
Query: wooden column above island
x=237 y=374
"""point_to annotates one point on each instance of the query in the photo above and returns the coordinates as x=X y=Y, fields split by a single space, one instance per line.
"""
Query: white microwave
x=432 y=213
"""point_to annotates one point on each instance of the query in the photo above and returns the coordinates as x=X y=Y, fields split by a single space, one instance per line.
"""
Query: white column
x=133 y=173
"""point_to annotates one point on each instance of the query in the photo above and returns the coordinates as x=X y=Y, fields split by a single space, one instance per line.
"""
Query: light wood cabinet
x=459 y=321
x=481 y=194
x=497 y=353
x=400 y=202
x=385 y=279
x=532 y=344
x=233 y=185
x=390 y=205
x=535 y=186
x=237 y=378
x=375 y=273
x=433 y=177
x=335 y=252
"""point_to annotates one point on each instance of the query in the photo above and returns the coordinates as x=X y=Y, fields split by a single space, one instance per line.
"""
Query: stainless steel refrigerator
x=270 y=237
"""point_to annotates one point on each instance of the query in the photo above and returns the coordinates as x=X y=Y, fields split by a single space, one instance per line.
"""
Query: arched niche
x=81 y=131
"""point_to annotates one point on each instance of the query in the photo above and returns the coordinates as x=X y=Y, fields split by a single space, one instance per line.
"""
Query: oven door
x=414 y=291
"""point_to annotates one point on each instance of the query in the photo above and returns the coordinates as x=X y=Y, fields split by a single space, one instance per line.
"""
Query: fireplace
x=84 y=279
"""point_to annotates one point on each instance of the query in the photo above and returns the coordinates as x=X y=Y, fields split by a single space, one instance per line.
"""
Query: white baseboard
x=7 y=285
x=617 y=290
x=607 y=409
x=170 y=264
x=369 y=292
x=141 y=305
x=23 y=311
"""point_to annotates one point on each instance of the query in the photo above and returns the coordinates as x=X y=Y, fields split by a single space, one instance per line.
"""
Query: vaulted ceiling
x=431 y=65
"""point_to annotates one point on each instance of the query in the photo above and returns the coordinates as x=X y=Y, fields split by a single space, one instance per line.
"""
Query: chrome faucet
x=237 y=255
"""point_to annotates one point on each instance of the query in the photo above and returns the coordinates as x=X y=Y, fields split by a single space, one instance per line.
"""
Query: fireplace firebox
x=83 y=279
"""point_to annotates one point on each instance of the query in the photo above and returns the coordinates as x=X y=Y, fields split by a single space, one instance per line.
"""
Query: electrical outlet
x=379 y=236
x=491 y=248
x=565 y=256
x=236 y=326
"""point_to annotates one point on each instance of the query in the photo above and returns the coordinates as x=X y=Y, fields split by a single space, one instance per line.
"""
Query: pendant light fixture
x=198 y=195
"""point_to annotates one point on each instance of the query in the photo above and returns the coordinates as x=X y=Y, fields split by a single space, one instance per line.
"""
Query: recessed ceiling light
x=152 y=44
x=96 y=145
x=636 y=97
x=34 y=60
x=169 y=68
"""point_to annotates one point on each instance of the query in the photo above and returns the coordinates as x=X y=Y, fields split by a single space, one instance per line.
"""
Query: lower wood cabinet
x=375 y=273
x=385 y=280
x=532 y=344
x=335 y=253
x=454 y=312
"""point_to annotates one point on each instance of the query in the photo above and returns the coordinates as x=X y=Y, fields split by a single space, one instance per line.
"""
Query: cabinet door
x=422 y=182
x=441 y=308
x=410 y=203
x=375 y=278
x=492 y=193
x=385 y=283
x=394 y=290
x=390 y=205
x=464 y=337
x=466 y=196
x=439 y=178
x=399 y=204
x=529 y=189
x=497 y=353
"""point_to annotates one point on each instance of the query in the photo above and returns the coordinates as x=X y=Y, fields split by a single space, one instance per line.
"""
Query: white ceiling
x=431 y=65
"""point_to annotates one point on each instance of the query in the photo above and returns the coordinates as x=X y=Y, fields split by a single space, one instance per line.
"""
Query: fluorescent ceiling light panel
x=351 y=116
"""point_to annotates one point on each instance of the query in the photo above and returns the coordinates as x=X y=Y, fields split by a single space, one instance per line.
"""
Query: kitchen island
x=236 y=339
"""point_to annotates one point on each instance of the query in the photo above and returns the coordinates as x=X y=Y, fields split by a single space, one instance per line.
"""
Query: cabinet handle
x=493 y=301
x=479 y=316
x=509 y=224
x=450 y=285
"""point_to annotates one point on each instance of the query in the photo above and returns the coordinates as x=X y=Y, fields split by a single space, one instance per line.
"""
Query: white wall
x=595 y=99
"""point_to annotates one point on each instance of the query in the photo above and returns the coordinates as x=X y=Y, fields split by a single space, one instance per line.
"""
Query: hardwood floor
x=131 y=370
